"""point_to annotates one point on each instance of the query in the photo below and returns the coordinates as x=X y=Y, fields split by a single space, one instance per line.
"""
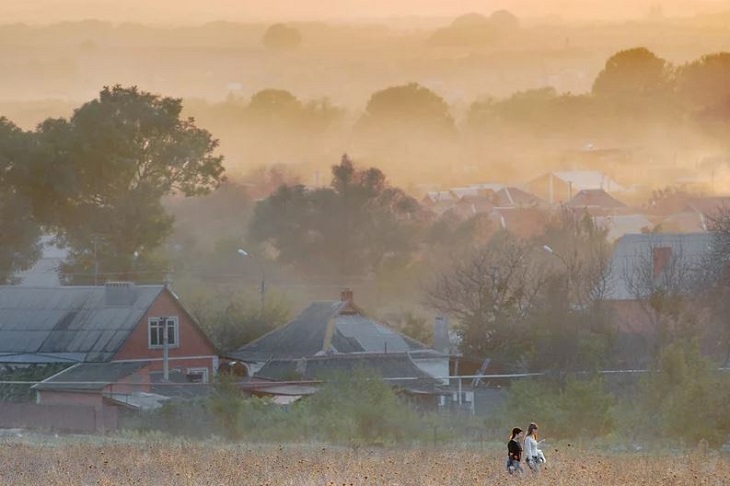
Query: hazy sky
x=197 y=11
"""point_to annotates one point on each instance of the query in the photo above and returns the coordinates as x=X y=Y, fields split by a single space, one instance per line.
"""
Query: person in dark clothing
x=514 y=452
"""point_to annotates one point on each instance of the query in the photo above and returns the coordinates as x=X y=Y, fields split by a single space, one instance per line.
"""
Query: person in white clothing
x=533 y=455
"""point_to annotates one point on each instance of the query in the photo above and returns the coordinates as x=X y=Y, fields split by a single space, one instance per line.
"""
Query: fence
x=62 y=418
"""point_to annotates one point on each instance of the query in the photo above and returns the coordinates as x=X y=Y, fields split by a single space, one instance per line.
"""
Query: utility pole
x=165 y=350
x=96 y=261
x=262 y=288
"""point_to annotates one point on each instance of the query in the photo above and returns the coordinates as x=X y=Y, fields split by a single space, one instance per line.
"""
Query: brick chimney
x=660 y=259
x=346 y=296
x=119 y=294
x=441 y=335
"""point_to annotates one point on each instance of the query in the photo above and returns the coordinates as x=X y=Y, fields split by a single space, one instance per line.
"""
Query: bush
x=23 y=392
x=579 y=408
x=685 y=398
x=360 y=408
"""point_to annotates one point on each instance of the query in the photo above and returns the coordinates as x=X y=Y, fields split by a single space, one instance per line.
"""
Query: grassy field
x=54 y=461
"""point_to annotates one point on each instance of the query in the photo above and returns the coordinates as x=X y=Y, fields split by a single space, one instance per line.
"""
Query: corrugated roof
x=633 y=252
x=68 y=321
x=620 y=225
x=302 y=336
x=513 y=196
x=589 y=179
x=595 y=198
x=90 y=376
x=306 y=336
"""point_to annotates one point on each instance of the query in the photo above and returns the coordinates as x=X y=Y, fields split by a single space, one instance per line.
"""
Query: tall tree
x=636 y=82
x=352 y=227
x=19 y=232
x=491 y=293
x=124 y=151
x=632 y=74
x=282 y=37
x=573 y=328
x=410 y=107
x=705 y=83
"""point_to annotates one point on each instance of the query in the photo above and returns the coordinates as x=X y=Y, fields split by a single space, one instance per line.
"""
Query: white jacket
x=530 y=450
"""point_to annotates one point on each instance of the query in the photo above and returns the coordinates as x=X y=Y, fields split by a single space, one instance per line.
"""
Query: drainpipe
x=165 y=350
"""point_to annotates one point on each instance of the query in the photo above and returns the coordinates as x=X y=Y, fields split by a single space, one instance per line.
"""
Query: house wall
x=436 y=367
x=51 y=397
x=194 y=351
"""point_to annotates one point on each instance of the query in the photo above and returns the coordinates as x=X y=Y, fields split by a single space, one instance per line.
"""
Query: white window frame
x=155 y=321
x=199 y=371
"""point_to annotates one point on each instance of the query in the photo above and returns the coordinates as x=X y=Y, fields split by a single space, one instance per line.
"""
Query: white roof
x=620 y=225
x=494 y=186
x=589 y=179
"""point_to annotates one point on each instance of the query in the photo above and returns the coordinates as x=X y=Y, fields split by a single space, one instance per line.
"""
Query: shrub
x=684 y=398
x=23 y=392
x=580 y=408
x=360 y=408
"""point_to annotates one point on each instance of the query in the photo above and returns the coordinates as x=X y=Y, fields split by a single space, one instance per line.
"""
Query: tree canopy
x=282 y=37
x=409 y=107
x=632 y=74
x=19 y=247
x=121 y=152
x=349 y=228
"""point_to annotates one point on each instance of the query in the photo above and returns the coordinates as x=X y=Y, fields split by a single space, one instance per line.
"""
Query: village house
x=331 y=337
x=561 y=187
x=640 y=265
x=596 y=202
x=117 y=339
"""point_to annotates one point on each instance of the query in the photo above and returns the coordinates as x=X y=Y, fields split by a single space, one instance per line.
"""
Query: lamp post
x=567 y=268
x=262 y=289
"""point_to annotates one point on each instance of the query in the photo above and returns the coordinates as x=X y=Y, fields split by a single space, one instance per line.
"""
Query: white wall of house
x=436 y=367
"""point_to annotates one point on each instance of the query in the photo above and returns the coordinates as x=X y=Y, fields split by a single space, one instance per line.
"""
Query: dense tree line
x=96 y=182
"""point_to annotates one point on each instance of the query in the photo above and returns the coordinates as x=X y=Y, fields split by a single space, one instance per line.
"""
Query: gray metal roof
x=68 y=323
x=633 y=252
x=90 y=376
x=307 y=335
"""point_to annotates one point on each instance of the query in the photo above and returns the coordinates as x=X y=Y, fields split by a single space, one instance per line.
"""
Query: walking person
x=514 y=452
x=533 y=455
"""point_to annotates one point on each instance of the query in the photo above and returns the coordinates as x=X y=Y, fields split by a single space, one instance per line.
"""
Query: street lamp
x=244 y=253
x=549 y=250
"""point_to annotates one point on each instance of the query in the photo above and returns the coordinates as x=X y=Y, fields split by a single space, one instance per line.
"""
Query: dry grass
x=112 y=462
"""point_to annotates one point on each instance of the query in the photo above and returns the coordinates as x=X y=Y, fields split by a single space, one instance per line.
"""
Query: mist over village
x=413 y=243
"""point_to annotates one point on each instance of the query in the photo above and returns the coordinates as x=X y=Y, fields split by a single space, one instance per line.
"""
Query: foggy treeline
x=169 y=153
x=484 y=67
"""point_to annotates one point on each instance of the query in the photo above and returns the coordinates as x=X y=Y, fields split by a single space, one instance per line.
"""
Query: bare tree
x=582 y=254
x=572 y=328
x=490 y=292
x=666 y=294
x=715 y=285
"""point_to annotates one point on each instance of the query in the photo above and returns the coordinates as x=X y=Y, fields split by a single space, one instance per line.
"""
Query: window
x=197 y=375
x=157 y=332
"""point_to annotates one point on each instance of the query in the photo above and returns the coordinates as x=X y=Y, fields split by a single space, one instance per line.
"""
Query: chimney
x=121 y=294
x=346 y=296
x=441 y=335
x=660 y=259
